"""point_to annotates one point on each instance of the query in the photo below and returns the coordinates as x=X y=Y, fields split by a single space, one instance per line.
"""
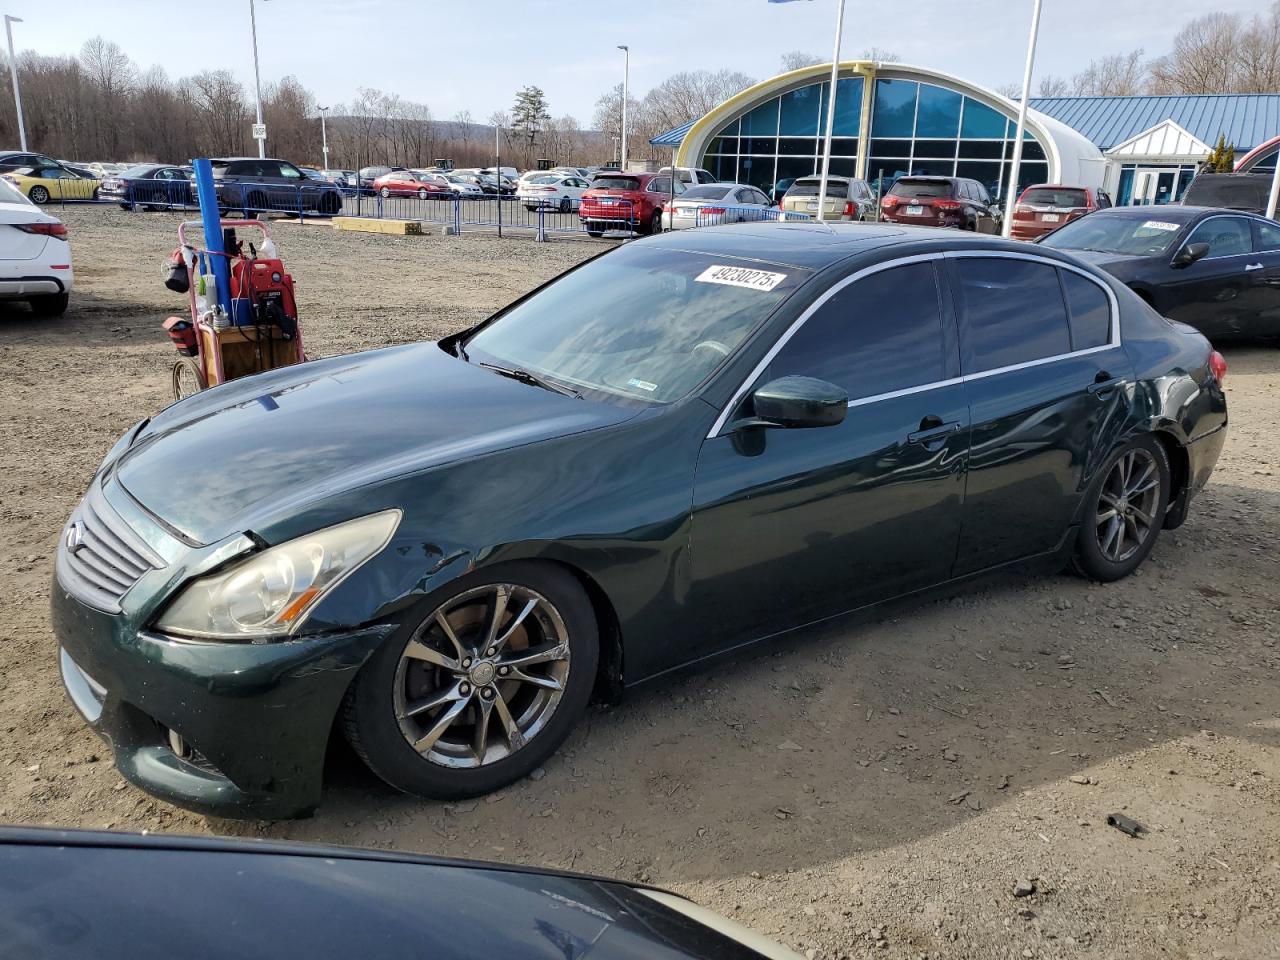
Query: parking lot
x=863 y=789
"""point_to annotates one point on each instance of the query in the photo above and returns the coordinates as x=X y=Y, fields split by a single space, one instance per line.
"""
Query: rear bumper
x=254 y=719
x=1028 y=231
x=17 y=288
x=1202 y=457
x=923 y=221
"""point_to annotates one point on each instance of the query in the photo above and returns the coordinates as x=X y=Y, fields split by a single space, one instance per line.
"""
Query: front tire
x=1124 y=511
x=484 y=689
x=384 y=193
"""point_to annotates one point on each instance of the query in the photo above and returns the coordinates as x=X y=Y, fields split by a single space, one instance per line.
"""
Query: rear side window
x=921 y=188
x=1011 y=311
x=879 y=334
x=1268 y=237
x=1090 y=310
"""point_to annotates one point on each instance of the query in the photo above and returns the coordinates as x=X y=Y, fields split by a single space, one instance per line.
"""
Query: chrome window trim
x=835 y=288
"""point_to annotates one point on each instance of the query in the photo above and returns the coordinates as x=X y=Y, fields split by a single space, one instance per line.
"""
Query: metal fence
x=715 y=215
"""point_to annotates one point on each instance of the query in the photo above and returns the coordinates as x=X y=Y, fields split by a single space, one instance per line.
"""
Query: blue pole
x=213 y=231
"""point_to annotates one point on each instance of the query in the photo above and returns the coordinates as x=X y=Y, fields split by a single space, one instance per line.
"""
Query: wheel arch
x=1179 y=477
x=609 y=673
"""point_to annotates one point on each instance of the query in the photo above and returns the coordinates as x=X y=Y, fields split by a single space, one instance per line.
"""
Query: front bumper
x=255 y=718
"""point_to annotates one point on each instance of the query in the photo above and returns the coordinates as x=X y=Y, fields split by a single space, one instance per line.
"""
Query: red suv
x=939 y=202
x=1045 y=207
x=626 y=201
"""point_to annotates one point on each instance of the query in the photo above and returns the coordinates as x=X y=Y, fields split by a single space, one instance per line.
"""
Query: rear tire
x=655 y=223
x=384 y=193
x=50 y=305
x=330 y=204
x=565 y=204
x=388 y=711
x=1124 y=511
x=38 y=194
x=188 y=378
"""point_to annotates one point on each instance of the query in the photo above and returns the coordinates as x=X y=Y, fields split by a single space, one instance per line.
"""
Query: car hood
x=229 y=458
x=1111 y=262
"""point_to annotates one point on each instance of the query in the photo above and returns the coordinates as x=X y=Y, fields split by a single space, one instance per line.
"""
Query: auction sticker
x=741 y=277
x=1162 y=225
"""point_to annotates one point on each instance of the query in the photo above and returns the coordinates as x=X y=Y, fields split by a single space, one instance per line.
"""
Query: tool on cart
x=244 y=317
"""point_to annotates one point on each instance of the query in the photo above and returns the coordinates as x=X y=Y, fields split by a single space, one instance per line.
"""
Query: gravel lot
x=868 y=790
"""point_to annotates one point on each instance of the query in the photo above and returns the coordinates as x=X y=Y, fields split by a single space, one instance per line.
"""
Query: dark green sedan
x=679 y=448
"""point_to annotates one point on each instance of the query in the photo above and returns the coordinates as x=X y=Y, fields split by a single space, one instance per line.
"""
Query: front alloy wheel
x=485 y=687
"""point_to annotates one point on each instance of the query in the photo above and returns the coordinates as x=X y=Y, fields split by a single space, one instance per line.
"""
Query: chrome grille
x=99 y=557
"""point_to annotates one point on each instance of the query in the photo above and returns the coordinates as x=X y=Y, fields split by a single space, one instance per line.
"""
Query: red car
x=1045 y=207
x=403 y=183
x=939 y=202
x=626 y=201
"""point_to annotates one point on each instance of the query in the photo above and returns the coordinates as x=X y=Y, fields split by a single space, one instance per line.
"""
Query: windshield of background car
x=1135 y=236
x=706 y=193
x=920 y=188
x=615 y=183
x=141 y=172
x=809 y=188
x=1055 y=197
x=638 y=323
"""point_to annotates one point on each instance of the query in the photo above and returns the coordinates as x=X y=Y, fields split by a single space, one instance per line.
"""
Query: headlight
x=271 y=593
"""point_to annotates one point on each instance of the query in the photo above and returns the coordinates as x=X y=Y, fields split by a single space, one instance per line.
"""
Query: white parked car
x=692 y=176
x=35 y=257
x=463 y=188
x=556 y=191
x=710 y=204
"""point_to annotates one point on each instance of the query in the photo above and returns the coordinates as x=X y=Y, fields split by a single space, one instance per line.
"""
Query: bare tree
x=687 y=96
x=1011 y=90
x=1258 y=54
x=1051 y=86
x=796 y=59
x=1203 y=58
x=608 y=119
x=879 y=54
x=1115 y=75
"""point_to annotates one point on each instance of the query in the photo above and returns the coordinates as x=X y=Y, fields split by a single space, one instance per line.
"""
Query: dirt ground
x=869 y=790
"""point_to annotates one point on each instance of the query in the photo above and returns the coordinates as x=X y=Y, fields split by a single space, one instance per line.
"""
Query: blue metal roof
x=1246 y=119
x=673 y=138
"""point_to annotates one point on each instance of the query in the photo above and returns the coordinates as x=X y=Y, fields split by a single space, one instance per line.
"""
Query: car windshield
x=616 y=183
x=706 y=193
x=1135 y=236
x=809 y=188
x=921 y=188
x=1055 y=197
x=639 y=324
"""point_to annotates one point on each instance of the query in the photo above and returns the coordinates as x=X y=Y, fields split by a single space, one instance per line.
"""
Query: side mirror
x=798 y=402
x=1190 y=254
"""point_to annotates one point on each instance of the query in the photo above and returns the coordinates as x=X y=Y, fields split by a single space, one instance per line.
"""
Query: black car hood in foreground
x=74 y=894
x=211 y=463
x=1119 y=265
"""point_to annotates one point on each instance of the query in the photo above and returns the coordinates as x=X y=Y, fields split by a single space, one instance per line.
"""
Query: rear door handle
x=929 y=434
x=1253 y=266
x=1105 y=385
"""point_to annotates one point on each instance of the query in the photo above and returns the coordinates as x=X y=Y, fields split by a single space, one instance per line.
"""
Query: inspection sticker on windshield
x=642 y=385
x=1161 y=225
x=741 y=277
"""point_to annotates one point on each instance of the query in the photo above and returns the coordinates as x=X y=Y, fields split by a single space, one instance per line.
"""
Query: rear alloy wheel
x=422 y=194
x=565 y=204
x=1124 y=511
x=655 y=222
x=38 y=194
x=385 y=193
x=485 y=688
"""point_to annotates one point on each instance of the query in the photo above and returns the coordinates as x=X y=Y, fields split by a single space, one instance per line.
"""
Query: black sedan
x=682 y=446
x=70 y=895
x=151 y=186
x=1217 y=270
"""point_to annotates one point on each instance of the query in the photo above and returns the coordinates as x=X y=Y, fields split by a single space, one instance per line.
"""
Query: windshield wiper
x=524 y=376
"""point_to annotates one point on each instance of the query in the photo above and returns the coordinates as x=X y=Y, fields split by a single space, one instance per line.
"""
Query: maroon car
x=1045 y=207
x=626 y=201
x=939 y=202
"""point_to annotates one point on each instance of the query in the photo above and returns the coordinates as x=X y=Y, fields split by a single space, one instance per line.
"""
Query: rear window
x=922 y=188
x=140 y=172
x=1236 y=191
x=809 y=188
x=616 y=183
x=706 y=193
x=1055 y=197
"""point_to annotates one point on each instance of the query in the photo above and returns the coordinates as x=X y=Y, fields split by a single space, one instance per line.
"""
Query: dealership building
x=892 y=120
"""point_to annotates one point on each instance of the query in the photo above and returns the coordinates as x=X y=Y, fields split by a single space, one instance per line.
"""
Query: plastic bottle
x=268 y=251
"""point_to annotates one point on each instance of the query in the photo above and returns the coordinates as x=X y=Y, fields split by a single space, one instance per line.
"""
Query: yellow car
x=42 y=184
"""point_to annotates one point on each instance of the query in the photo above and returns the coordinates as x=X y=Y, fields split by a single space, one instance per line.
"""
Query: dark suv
x=939 y=202
x=254 y=185
x=16 y=159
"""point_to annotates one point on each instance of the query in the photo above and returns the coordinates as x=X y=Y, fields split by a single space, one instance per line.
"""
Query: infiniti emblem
x=75 y=536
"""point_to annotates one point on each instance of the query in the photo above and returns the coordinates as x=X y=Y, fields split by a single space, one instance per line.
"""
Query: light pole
x=1006 y=227
x=614 y=156
x=257 y=82
x=626 y=93
x=831 y=113
x=13 y=69
x=324 y=136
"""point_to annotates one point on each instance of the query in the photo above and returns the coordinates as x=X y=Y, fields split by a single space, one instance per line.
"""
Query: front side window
x=879 y=334
x=1226 y=236
x=1011 y=312
x=287 y=170
x=638 y=324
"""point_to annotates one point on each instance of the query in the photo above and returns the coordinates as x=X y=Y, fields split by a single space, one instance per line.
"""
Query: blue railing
x=726 y=213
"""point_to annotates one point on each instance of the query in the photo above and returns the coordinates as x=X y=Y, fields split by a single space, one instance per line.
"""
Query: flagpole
x=831 y=113
x=1016 y=168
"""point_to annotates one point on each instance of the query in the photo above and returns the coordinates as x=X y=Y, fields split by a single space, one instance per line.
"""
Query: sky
x=475 y=56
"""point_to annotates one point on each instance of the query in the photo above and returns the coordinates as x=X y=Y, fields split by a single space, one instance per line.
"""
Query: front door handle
x=933 y=429
x=1253 y=266
x=1104 y=385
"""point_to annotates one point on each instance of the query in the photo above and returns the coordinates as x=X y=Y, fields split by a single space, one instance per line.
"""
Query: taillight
x=889 y=201
x=850 y=210
x=1022 y=208
x=946 y=204
x=44 y=229
x=1218 y=366
x=717 y=211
